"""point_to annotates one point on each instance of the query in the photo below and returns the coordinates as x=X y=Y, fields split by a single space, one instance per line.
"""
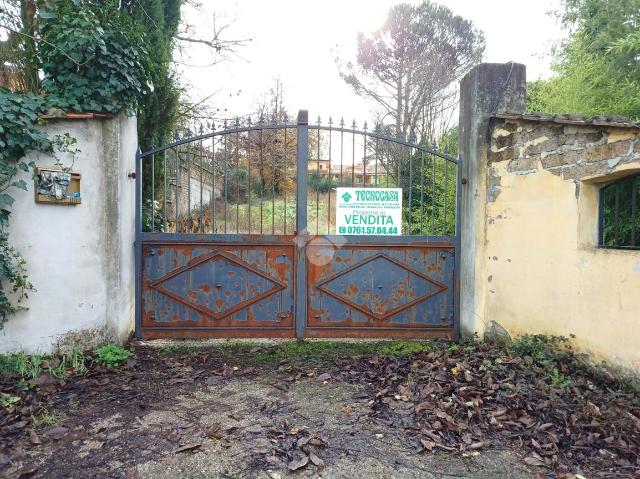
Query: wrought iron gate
x=235 y=235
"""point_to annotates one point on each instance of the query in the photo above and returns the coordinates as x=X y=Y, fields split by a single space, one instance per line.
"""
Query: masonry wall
x=543 y=270
x=80 y=258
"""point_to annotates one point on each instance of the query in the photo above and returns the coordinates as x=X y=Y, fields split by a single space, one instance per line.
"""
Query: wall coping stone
x=610 y=120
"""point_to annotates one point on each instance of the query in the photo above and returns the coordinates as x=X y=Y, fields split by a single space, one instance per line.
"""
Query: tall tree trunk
x=28 y=17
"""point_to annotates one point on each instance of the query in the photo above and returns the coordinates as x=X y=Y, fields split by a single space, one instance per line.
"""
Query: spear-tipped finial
x=365 y=125
x=330 y=121
x=354 y=124
x=342 y=122
x=319 y=120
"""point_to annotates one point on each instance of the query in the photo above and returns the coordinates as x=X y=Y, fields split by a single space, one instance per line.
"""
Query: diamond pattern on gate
x=218 y=284
x=390 y=291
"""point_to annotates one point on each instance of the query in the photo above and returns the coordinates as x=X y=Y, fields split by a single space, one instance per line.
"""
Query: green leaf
x=6 y=199
x=20 y=184
x=47 y=15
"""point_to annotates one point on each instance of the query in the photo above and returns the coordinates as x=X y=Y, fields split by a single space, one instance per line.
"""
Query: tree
x=409 y=66
x=597 y=70
x=159 y=20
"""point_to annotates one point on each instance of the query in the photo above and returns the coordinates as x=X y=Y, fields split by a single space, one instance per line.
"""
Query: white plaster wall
x=80 y=258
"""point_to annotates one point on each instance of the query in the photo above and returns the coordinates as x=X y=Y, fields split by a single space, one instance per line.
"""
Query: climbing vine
x=92 y=60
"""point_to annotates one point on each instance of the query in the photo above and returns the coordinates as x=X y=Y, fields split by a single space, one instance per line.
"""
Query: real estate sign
x=369 y=211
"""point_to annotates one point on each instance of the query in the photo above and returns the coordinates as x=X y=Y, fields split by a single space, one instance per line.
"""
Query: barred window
x=619 y=215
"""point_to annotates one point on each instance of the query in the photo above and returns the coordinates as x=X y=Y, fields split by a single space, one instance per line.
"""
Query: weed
x=400 y=349
x=21 y=364
x=548 y=350
x=29 y=367
x=73 y=402
x=453 y=347
x=78 y=361
x=318 y=352
x=8 y=400
x=559 y=380
x=112 y=354
x=45 y=418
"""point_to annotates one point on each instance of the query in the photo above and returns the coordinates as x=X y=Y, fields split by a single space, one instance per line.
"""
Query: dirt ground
x=189 y=413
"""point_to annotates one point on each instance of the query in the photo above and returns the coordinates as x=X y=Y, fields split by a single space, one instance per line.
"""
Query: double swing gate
x=236 y=235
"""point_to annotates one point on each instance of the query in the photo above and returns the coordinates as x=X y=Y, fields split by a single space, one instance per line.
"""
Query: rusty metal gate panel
x=236 y=235
x=383 y=289
x=220 y=290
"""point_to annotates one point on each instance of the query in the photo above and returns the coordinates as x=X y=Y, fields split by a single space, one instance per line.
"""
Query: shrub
x=112 y=354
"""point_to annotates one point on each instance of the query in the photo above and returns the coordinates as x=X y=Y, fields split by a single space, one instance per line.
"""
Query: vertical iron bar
x=164 y=189
x=364 y=157
x=410 y=218
x=225 y=177
x=421 y=192
x=201 y=153
x=213 y=193
x=301 y=222
x=286 y=170
x=178 y=167
x=446 y=193
x=153 y=193
x=458 y=242
x=138 y=246
x=190 y=220
x=376 y=158
x=273 y=181
x=237 y=179
x=319 y=178
x=386 y=142
x=330 y=182
x=341 y=151
x=249 y=174
x=433 y=195
x=353 y=155
x=261 y=178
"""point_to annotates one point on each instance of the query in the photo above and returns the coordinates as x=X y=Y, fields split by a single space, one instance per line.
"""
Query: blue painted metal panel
x=381 y=286
x=246 y=286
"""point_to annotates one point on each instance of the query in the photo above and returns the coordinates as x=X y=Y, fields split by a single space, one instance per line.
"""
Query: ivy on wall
x=92 y=56
x=91 y=59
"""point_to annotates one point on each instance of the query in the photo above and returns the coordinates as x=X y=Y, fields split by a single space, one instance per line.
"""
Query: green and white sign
x=369 y=211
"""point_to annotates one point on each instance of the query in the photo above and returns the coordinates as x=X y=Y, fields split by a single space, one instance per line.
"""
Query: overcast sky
x=295 y=40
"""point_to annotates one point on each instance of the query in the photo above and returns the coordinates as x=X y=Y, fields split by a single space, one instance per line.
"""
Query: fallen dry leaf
x=188 y=447
x=298 y=463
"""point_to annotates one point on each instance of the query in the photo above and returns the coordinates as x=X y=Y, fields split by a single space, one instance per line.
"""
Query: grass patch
x=31 y=366
x=317 y=352
x=45 y=418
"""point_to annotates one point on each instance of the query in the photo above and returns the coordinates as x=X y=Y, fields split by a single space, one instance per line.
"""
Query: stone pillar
x=489 y=88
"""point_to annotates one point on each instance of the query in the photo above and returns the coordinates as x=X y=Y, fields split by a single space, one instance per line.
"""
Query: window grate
x=619 y=215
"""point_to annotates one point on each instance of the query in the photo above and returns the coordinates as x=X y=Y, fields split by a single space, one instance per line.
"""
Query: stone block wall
x=543 y=269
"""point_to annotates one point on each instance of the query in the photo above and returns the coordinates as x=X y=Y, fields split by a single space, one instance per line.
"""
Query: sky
x=296 y=42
